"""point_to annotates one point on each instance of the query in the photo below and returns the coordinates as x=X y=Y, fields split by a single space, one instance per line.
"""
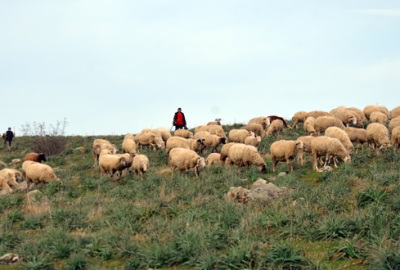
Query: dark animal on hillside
x=36 y=157
x=274 y=117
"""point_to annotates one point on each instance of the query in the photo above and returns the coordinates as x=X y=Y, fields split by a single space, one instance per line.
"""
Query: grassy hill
x=343 y=219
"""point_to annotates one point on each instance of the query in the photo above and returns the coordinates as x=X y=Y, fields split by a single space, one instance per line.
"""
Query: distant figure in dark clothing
x=8 y=139
x=179 y=120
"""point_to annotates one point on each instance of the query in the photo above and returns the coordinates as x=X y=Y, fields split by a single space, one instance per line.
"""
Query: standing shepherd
x=8 y=139
x=179 y=120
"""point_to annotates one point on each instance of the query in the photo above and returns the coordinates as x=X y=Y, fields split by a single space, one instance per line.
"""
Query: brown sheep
x=274 y=117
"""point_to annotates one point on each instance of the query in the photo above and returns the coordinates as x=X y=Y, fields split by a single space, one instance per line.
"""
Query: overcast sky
x=113 y=67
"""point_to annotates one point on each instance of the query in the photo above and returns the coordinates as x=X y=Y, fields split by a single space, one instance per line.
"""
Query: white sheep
x=99 y=147
x=358 y=135
x=245 y=155
x=254 y=141
x=285 y=151
x=112 y=164
x=184 y=133
x=368 y=110
x=184 y=159
x=4 y=185
x=216 y=122
x=378 y=117
x=326 y=146
x=100 y=141
x=176 y=142
x=201 y=128
x=395 y=138
x=307 y=147
x=299 y=117
x=213 y=141
x=25 y=166
x=276 y=126
x=359 y=113
x=224 y=152
x=239 y=135
x=195 y=145
x=213 y=158
x=346 y=116
x=140 y=165
x=316 y=114
x=395 y=122
x=149 y=139
x=309 y=126
x=129 y=136
x=263 y=121
x=378 y=134
x=256 y=128
x=129 y=160
x=341 y=135
x=40 y=173
x=129 y=146
x=395 y=112
x=9 y=176
x=217 y=130
x=165 y=134
x=324 y=122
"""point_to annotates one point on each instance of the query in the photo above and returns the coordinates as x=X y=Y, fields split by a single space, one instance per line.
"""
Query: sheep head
x=353 y=119
x=300 y=145
x=347 y=159
x=385 y=146
x=258 y=138
x=114 y=151
x=201 y=162
x=160 y=144
x=144 y=166
x=222 y=140
x=123 y=161
x=263 y=168
x=200 y=141
x=42 y=157
x=190 y=135
x=19 y=177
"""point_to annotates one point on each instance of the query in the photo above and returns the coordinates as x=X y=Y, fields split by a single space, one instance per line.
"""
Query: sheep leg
x=274 y=162
x=141 y=174
x=334 y=161
x=295 y=123
x=315 y=161
x=166 y=158
x=28 y=182
x=327 y=160
x=172 y=171
x=95 y=160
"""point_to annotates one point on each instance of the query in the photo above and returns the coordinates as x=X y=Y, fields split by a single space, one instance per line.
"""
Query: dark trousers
x=179 y=127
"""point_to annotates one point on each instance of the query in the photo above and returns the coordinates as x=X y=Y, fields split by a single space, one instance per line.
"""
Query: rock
x=281 y=174
x=5 y=193
x=260 y=190
x=10 y=258
x=24 y=186
x=32 y=195
x=2 y=163
x=17 y=160
x=325 y=169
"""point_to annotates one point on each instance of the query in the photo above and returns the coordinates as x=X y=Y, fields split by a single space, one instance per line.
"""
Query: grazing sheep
x=25 y=166
x=184 y=159
x=341 y=135
x=129 y=160
x=201 y=128
x=217 y=130
x=213 y=158
x=272 y=118
x=358 y=135
x=245 y=155
x=359 y=114
x=395 y=112
x=195 y=145
x=165 y=134
x=378 y=117
x=396 y=138
x=317 y=114
x=256 y=128
x=225 y=151
x=176 y=142
x=216 y=122
x=307 y=147
x=100 y=141
x=129 y=146
x=285 y=151
x=149 y=139
x=129 y=136
x=40 y=173
x=309 y=126
x=146 y=130
x=35 y=157
x=99 y=147
x=275 y=126
x=324 y=122
x=213 y=141
x=326 y=146
x=111 y=164
x=368 y=110
x=346 y=116
x=263 y=121
x=140 y=165
x=184 y=133
x=18 y=175
x=395 y=122
x=4 y=185
x=9 y=176
x=378 y=134
x=239 y=135
x=299 y=117
x=254 y=141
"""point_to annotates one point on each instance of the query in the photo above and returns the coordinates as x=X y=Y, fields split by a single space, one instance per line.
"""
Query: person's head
x=9 y=128
x=179 y=110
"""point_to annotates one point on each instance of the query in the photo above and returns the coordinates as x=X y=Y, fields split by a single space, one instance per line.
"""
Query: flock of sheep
x=183 y=150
